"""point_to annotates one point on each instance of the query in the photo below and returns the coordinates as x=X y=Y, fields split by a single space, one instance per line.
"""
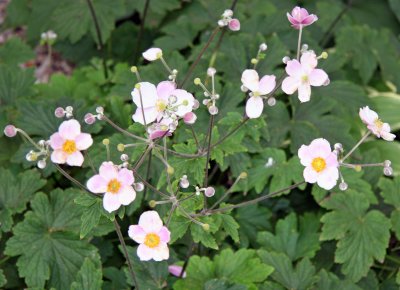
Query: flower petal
x=250 y=79
x=368 y=116
x=144 y=253
x=267 y=84
x=148 y=92
x=150 y=115
x=310 y=175
x=164 y=89
x=317 y=77
x=164 y=234
x=290 y=85
x=70 y=129
x=56 y=141
x=320 y=148
x=108 y=171
x=185 y=100
x=75 y=159
x=150 y=221
x=254 y=107
x=83 y=141
x=125 y=176
x=176 y=270
x=97 y=184
x=137 y=234
x=304 y=92
x=111 y=202
x=161 y=252
x=293 y=68
x=327 y=179
x=58 y=156
x=308 y=61
x=305 y=155
x=152 y=54
x=310 y=19
x=126 y=195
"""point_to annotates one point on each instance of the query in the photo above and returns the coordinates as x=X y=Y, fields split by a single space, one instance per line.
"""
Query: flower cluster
x=227 y=20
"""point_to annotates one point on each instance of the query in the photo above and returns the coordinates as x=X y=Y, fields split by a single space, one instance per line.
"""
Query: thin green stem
x=118 y=128
x=299 y=42
x=356 y=146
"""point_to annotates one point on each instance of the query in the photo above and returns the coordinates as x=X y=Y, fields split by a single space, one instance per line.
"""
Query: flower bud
x=196 y=104
x=138 y=186
x=324 y=55
x=388 y=171
x=89 y=118
x=263 y=46
x=184 y=182
x=227 y=13
x=106 y=141
x=254 y=61
x=59 y=112
x=190 y=118
x=213 y=110
x=176 y=271
x=221 y=23
x=243 y=175
x=387 y=163
x=152 y=203
x=206 y=227
x=234 y=24
x=100 y=110
x=211 y=71
x=41 y=164
x=170 y=170
x=197 y=81
x=209 y=192
x=10 y=131
x=285 y=59
x=243 y=89
x=121 y=147
x=357 y=168
x=271 y=101
x=343 y=186
x=134 y=69
x=124 y=157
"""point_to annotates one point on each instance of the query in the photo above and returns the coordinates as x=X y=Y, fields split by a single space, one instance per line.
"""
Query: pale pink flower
x=190 y=118
x=176 y=271
x=116 y=184
x=258 y=88
x=303 y=75
x=320 y=162
x=10 y=131
x=234 y=24
x=68 y=143
x=157 y=101
x=152 y=237
x=375 y=125
x=301 y=18
x=152 y=54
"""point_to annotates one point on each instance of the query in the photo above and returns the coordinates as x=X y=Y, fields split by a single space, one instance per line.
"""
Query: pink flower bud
x=59 y=112
x=176 y=271
x=190 y=118
x=209 y=192
x=90 y=118
x=234 y=24
x=10 y=131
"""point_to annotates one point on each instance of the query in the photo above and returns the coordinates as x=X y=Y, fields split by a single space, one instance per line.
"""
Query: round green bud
x=137 y=86
x=197 y=81
x=106 y=141
x=243 y=175
x=357 y=168
x=254 y=61
x=170 y=170
x=121 y=147
x=324 y=55
x=206 y=227
x=152 y=203
x=133 y=69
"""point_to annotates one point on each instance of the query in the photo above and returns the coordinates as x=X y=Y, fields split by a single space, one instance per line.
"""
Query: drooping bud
x=190 y=118
x=59 y=112
x=184 y=182
x=209 y=191
x=343 y=186
x=263 y=46
x=90 y=118
x=10 y=131
x=138 y=186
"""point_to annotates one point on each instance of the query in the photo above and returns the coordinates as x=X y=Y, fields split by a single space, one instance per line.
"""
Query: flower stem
x=299 y=42
x=122 y=241
x=226 y=194
x=118 y=128
x=140 y=34
x=73 y=180
x=356 y=146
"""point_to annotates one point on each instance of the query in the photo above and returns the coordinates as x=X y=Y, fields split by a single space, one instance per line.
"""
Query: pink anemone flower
x=301 y=18
x=375 y=125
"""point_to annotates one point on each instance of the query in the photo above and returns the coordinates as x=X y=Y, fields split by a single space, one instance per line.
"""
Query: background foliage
x=54 y=236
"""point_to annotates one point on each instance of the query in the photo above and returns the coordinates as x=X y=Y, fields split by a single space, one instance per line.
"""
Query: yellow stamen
x=378 y=123
x=152 y=240
x=160 y=105
x=69 y=147
x=113 y=186
x=318 y=164
x=304 y=78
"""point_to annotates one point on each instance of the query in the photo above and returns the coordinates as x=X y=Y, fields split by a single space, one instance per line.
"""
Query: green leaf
x=149 y=275
x=387 y=150
x=391 y=195
x=385 y=104
x=329 y=281
x=15 y=192
x=244 y=267
x=199 y=235
x=14 y=83
x=362 y=235
x=216 y=284
x=15 y=52
x=47 y=242
x=395 y=5
x=178 y=227
x=230 y=226
x=300 y=277
x=3 y=280
x=293 y=239
x=89 y=276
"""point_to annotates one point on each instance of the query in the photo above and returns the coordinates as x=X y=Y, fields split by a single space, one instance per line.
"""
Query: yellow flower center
x=378 y=123
x=318 y=164
x=152 y=240
x=69 y=147
x=304 y=78
x=160 y=105
x=113 y=186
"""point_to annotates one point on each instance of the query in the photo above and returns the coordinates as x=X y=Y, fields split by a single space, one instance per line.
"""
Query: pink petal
x=161 y=252
x=149 y=95
x=190 y=118
x=327 y=179
x=388 y=136
x=304 y=92
x=305 y=155
x=308 y=61
x=164 y=234
x=108 y=171
x=150 y=115
x=310 y=175
x=164 y=89
x=293 y=68
x=367 y=115
x=295 y=23
x=254 y=107
x=267 y=84
x=125 y=176
x=317 y=77
x=152 y=54
x=144 y=253
x=320 y=148
x=75 y=159
x=250 y=79
x=290 y=85
x=58 y=156
x=302 y=13
x=56 y=141
x=331 y=160
x=83 y=141
x=111 y=202
x=309 y=20
x=126 y=195
x=97 y=184
x=159 y=133
x=70 y=129
x=234 y=25
x=137 y=234
x=176 y=271
x=150 y=221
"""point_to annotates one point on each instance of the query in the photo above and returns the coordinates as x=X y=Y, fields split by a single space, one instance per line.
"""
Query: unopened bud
x=343 y=186
x=138 y=186
x=100 y=110
x=121 y=147
x=271 y=101
x=254 y=61
x=106 y=141
x=213 y=110
x=41 y=164
x=285 y=59
x=197 y=81
x=387 y=163
x=263 y=46
x=10 y=131
x=89 y=118
x=184 y=182
x=211 y=71
x=357 y=168
x=152 y=203
x=209 y=192
x=206 y=227
x=388 y=171
x=324 y=55
x=243 y=175
x=133 y=69
x=124 y=157
x=170 y=170
x=59 y=112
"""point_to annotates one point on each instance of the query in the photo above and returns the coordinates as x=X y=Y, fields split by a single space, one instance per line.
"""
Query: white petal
x=250 y=79
x=148 y=92
x=310 y=175
x=290 y=85
x=327 y=179
x=126 y=195
x=152 y=54
x=150 y=221
x=111 y=202
x=254 y=107
x=150 y=115
x=304 y=92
